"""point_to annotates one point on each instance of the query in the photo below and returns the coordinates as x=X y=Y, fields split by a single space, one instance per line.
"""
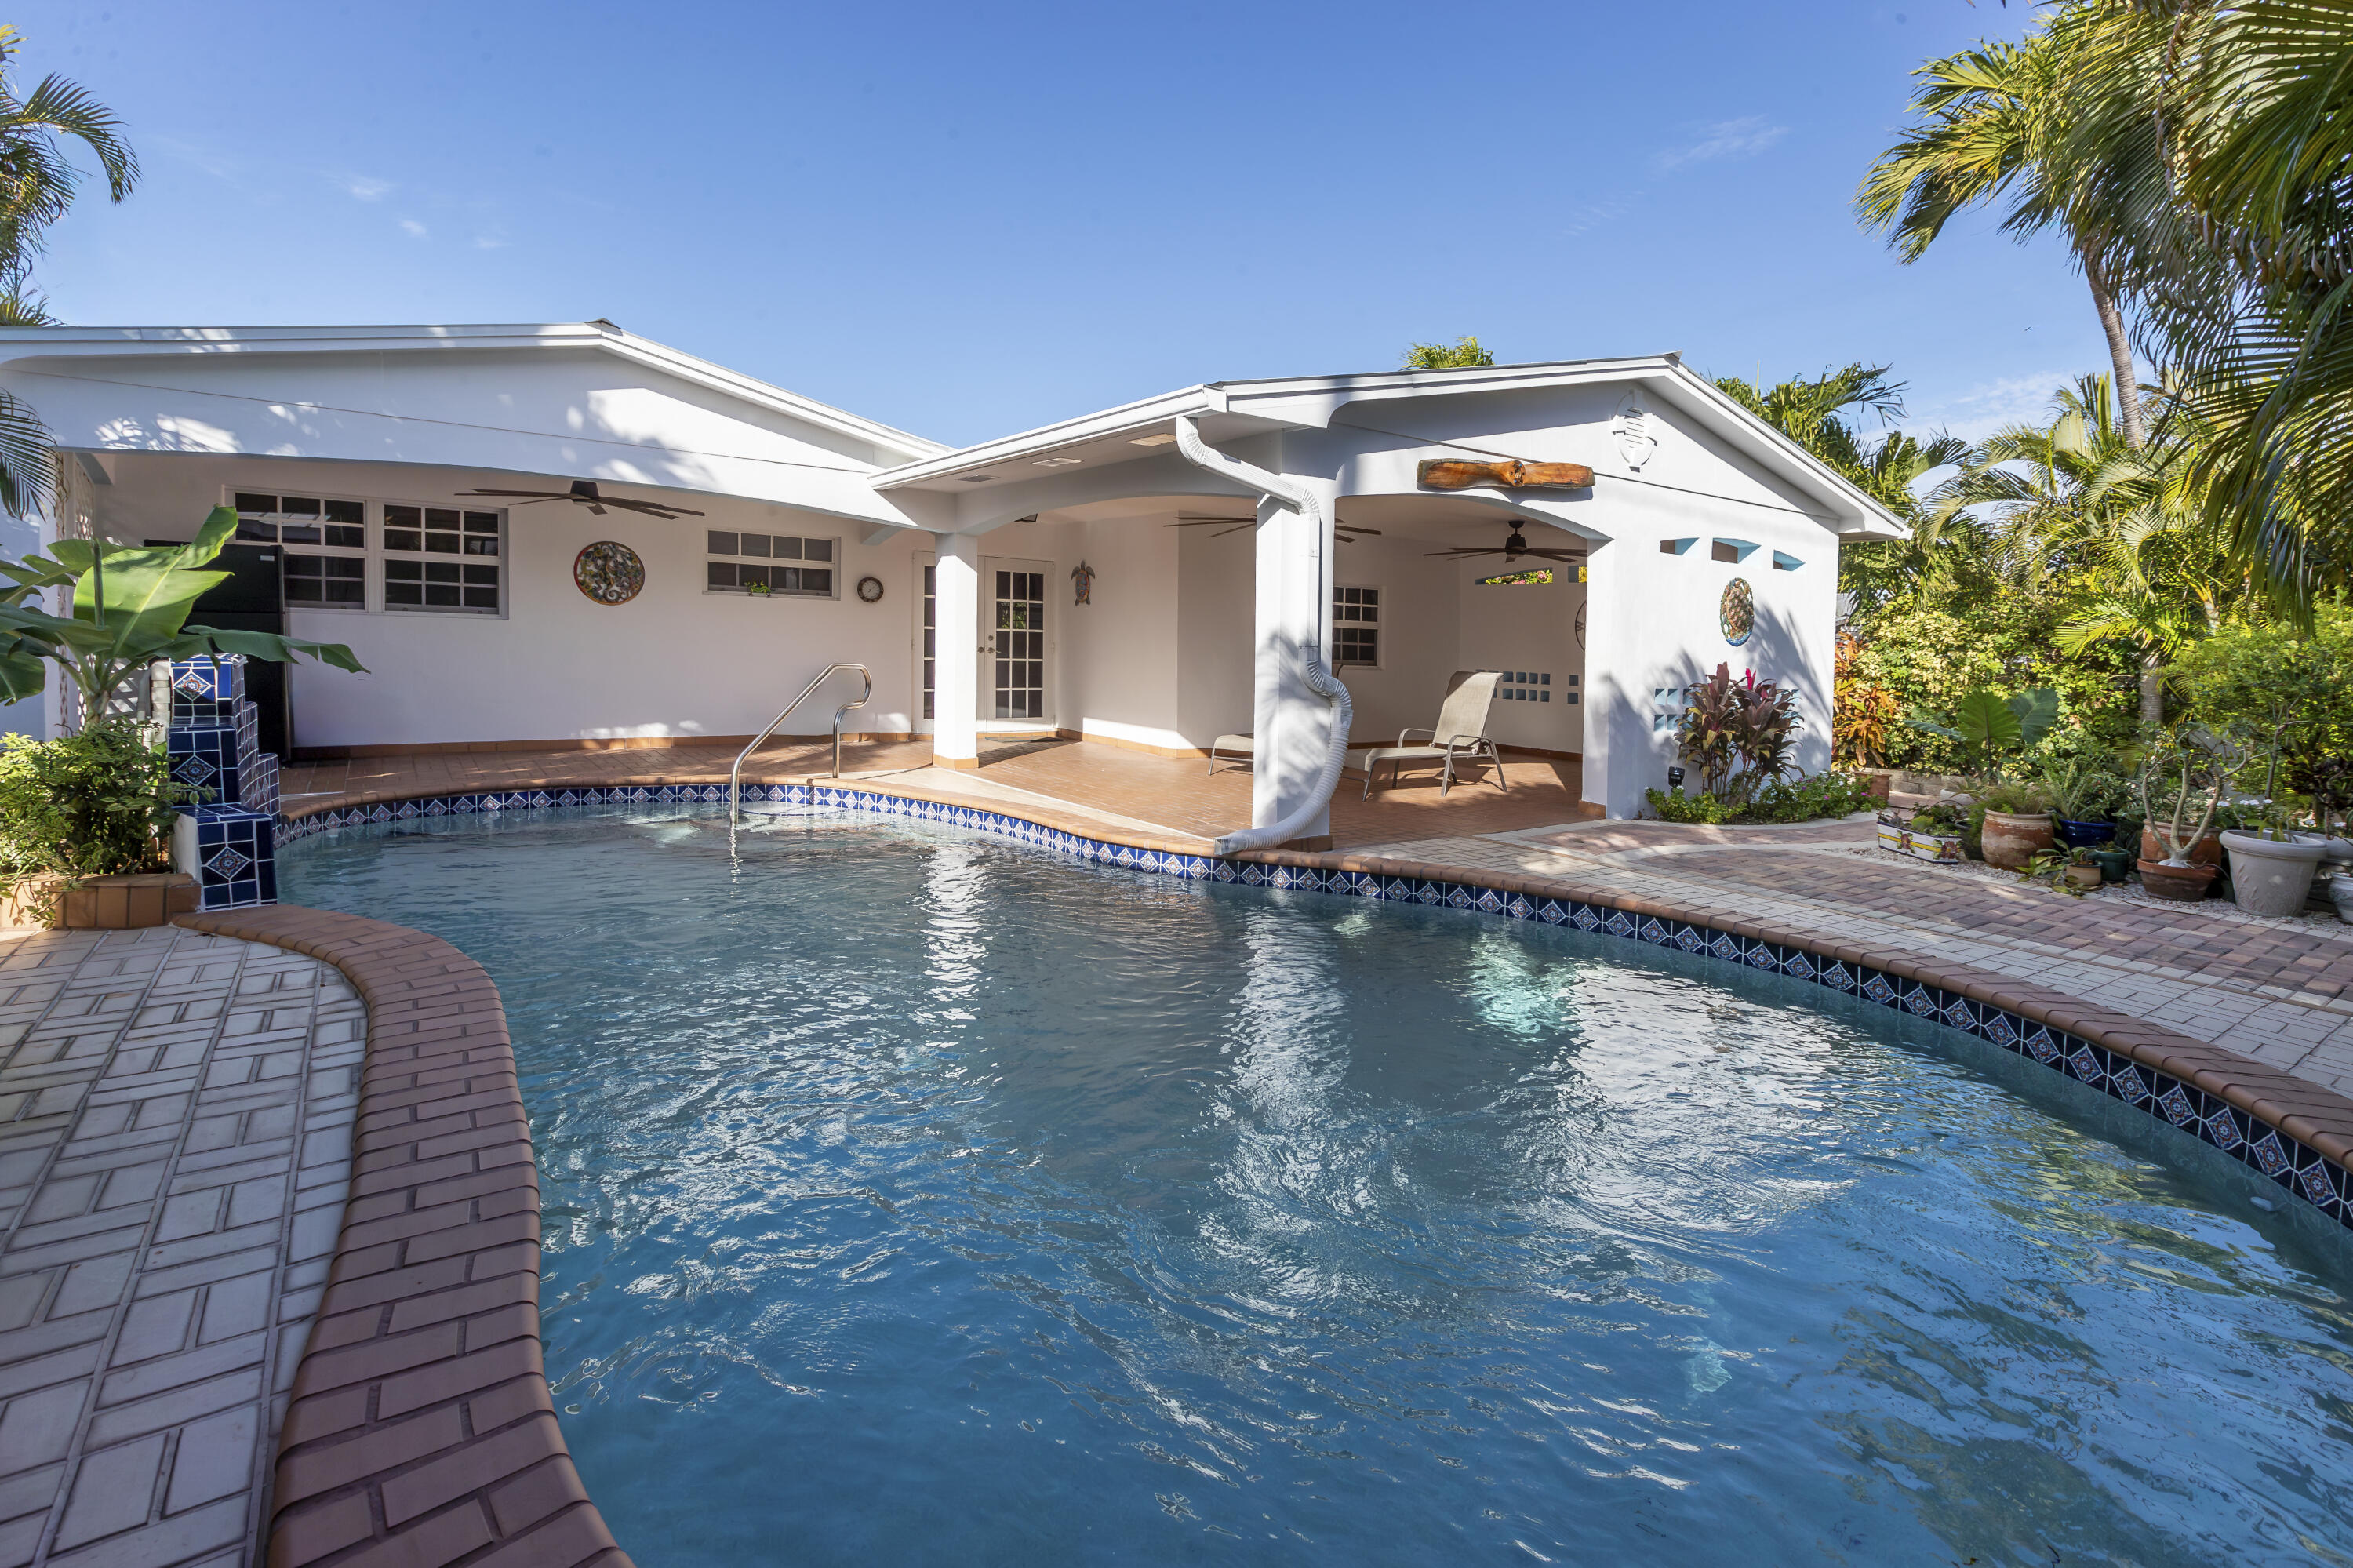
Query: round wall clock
x=608 y=573
x=870 y=589
x=1738 y=612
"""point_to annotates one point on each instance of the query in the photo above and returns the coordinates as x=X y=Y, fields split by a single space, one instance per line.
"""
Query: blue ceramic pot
x=2084 y=835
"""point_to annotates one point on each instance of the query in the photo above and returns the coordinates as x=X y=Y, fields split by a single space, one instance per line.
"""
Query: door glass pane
x=1020 y=663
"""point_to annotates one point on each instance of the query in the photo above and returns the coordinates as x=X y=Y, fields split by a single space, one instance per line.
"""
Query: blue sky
x=970 y=219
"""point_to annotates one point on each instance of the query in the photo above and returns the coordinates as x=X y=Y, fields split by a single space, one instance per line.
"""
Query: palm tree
x=37 y=185
x=2237 y=124
x=1821 y=414
x=1463 y=354
x=2119 y=531
x=1999 y=122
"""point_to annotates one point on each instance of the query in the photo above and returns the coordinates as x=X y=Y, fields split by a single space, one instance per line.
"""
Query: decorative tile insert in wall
x=234 y=859
x=2296 y=1133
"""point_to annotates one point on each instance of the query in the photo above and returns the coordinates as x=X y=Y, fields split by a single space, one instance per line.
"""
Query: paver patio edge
x=422 y=1431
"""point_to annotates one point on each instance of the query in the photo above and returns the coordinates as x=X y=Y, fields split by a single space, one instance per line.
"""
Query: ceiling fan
x=1512 y=549
x=1346 y=532
x=584 y=493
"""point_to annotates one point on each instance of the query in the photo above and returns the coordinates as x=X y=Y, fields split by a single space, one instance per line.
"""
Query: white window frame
x=1377 y=626
x=384 y=554
x=373 y=554
x=833 y=564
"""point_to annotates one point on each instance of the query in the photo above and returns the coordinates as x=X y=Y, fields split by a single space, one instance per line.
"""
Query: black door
x=253 y=600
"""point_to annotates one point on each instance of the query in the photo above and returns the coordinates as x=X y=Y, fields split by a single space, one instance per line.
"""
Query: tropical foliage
x=130 y=609
x=39 y=182
x=93 y=804
x=1463 y=354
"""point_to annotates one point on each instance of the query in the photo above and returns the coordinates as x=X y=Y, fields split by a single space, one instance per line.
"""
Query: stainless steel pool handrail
x=736 y=774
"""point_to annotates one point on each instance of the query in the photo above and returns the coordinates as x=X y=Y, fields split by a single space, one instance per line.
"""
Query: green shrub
x=1814 y=795
x=1798 y=799
x=1675 y=806
x=2016 y=798
x=95 y=804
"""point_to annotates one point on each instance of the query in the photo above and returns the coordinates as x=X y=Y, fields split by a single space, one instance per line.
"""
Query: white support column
x=956 y=657
x=1293 y=725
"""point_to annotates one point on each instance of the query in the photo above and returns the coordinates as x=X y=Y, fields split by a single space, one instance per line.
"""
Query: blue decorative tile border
x=2285 y=1160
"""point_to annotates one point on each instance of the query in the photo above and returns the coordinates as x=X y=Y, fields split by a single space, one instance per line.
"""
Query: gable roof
x=1230 y=409
x=19 y=344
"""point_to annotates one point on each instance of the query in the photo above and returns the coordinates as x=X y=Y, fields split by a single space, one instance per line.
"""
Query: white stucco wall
x=1653 y=617
x=1119 y=673
x=676 y=660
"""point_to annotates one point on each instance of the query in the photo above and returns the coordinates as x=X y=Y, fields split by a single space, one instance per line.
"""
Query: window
x=1356 y=627
x=931 y=633
x=762 y=565
x=424 y=557
x=1730 y=551
x=1786 y=563
x=301 y=520
x=440 y=557
x=326 y=579
x=333 y=570
x=1675 y=546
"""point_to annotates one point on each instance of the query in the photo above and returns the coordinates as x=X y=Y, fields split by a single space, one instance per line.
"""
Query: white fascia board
x=1149 y=414
x=68 y=343
x=1314 y=399
x=1859 y=515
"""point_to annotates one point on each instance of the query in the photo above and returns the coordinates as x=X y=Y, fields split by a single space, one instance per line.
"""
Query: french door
x=1015 y=664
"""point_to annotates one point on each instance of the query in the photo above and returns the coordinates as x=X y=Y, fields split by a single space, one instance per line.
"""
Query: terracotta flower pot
x=2085 y=876
x=2010 y=840
x=2207 y=851
x=2181 y=883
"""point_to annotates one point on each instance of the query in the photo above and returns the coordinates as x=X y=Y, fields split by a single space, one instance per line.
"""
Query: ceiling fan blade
x=1560 y=555
x=538 y=495
x=1351 y=528
x=1461 y=553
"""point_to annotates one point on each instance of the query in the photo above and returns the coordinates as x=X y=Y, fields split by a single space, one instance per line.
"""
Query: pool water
x=914 y=1198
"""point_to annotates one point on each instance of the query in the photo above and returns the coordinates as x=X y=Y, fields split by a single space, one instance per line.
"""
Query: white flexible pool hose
x=1320 y=680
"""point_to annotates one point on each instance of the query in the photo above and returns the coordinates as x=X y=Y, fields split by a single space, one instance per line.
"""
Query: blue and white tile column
x=227 y=839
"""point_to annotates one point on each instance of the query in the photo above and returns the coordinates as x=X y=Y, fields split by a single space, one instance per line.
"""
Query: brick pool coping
x=421 y=1429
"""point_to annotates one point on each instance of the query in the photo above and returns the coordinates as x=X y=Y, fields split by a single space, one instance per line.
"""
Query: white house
x=801 y=535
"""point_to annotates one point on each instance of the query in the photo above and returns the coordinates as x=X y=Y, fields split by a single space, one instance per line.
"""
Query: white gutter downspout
x=1320 y=680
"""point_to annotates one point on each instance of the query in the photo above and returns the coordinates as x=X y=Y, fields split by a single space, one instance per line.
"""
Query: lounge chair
x=1460 y=734
x=1241 y=748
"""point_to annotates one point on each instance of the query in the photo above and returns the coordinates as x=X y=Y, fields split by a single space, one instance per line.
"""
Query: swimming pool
x=914 y=1197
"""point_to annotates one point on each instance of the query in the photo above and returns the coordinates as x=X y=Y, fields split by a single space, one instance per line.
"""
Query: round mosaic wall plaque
x=1737 y=612
x=608 y=573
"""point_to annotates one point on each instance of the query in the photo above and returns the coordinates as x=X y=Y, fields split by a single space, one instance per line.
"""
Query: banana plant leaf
x=145 y=592
x=196 y=641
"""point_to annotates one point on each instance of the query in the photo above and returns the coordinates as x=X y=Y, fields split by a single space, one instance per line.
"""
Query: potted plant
x=2017 y=824
x=80 y=814
x=85 y=831
x=2084 y=789
x=2083 y=871
x=1934 y=833
x=2340 y=894
x=2181 y=787
x=2116 y=862
x=2271 y=869
x=2058 y=868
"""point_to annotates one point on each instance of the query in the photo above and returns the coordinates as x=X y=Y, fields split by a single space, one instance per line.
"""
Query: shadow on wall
x=1775 y=651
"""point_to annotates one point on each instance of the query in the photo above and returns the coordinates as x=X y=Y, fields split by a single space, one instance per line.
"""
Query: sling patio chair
x=1460 y=735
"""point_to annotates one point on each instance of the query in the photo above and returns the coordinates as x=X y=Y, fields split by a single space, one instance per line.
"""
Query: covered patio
x=1179 y=800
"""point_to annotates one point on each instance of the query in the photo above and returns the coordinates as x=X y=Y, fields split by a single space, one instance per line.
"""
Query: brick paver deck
x=175 y=1124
